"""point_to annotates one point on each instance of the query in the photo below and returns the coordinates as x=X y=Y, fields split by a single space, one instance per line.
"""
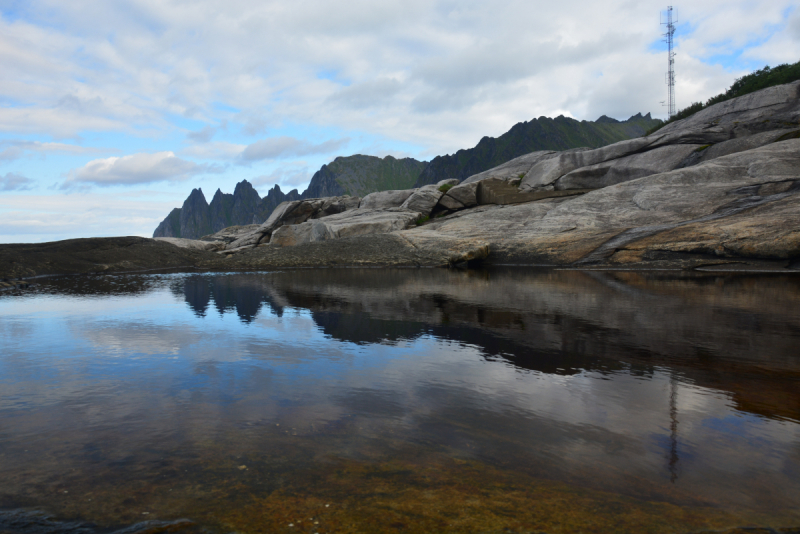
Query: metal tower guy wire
x=670 y=78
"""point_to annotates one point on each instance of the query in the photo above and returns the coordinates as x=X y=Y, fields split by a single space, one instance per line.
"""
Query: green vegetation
x=791 y=135
x=755 y=81
x=422 y=220
x=700 y=149
x=445 y=188
x=359 y=175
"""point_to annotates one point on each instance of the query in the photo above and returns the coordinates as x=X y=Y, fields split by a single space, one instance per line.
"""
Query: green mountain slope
x=360 y=175
x=561 y=133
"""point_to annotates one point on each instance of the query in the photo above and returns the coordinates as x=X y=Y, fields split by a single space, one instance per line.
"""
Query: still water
x=402 y=401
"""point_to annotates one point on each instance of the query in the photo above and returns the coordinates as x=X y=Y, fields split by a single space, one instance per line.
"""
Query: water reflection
x=418 y=400
x=731 y=332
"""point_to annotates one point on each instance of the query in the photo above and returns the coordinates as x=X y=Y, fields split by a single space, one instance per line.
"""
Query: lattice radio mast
x=670 y=78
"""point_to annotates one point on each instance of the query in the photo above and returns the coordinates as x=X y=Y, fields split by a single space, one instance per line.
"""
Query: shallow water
x=404 y=401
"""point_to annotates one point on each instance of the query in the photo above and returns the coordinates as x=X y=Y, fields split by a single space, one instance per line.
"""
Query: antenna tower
x=670 y=78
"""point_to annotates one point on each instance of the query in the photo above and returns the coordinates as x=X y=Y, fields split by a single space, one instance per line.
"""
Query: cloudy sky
x=111 y=112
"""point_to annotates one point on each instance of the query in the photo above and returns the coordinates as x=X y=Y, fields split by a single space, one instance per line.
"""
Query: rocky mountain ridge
x=353 y=175
x=359 y=175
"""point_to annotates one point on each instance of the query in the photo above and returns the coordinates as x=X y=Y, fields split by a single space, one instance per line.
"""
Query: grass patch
x=755 y=81
x=701 y=148
x=446 y=187
x=422 y=220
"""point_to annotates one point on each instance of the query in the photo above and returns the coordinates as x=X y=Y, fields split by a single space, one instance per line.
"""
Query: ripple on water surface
x=410 y=400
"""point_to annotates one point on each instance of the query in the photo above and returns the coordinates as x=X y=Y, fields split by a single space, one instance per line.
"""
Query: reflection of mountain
x=228 y=293
x=734 y=333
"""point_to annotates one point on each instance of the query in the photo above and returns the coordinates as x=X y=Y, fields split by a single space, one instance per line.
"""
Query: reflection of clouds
x=122 y=339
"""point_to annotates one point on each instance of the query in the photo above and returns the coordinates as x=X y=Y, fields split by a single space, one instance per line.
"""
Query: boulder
x=516 y=168
x=334 y=205
x=628 y=168
x=291 y=235
x=424 y=199
x=295 y=212
x=386 y=199
x=230 y=234
x=460 y=197
x=361 y=221
x=195 y=244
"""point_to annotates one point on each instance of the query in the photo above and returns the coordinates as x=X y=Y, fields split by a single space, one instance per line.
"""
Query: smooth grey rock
x=740 y=144
x=334 y=205
x=548 y=170
x=291 y=235
x=423 y=200
x=461 y=196
x=386 y=199
x=231 y=233
x=448 y=181
x=744 y=205
x=764 y=110
x=295 y=212
x=361 y=221
x=627 y=168
x=190 y=243
x=515 y=168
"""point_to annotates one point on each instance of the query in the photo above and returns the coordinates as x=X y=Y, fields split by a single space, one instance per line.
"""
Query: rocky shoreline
x=718 y=190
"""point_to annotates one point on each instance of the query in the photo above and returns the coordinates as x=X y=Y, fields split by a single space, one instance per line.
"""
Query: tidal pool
x=506 y=400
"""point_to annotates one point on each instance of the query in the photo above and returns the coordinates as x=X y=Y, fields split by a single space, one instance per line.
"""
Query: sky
x=112 y=112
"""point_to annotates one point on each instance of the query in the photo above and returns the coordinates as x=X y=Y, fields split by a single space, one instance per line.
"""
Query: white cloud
x=137 y=169
x=204 y=135
x=438 y=74
x=284 y=146
x=15 y=182
x=15 y=149
x=30 y=218
x=294 y=177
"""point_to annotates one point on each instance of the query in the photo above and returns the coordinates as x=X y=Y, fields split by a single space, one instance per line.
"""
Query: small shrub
x=445 y=188
x=422 y=220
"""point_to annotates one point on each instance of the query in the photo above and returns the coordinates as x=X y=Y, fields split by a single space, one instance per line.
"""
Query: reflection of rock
x=564 y=322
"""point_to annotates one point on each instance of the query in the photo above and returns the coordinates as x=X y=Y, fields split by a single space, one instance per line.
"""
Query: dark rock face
x=323 y=184
x=352 y=175
x=197 y=219
x=246 y=203
x=220 y=210
x=195 y=216
x=561 y=133
x=171 y=226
